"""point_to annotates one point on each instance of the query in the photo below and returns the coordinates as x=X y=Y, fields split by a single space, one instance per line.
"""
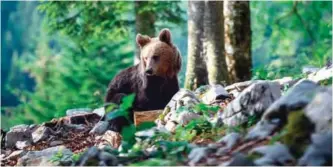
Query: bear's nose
x=149 y=71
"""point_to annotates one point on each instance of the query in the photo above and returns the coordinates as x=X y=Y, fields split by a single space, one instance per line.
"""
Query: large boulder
x=319 y=153
x=253 y=101
x=319 y=111
x=276 y=115
x=44 y=157
x=19 y=133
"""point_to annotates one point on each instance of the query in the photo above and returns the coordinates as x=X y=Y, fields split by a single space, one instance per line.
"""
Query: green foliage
x=154 y=162
x=192 y=129
x=288 y=35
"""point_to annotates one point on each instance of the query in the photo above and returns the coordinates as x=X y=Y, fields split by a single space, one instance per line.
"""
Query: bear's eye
x=155 y=58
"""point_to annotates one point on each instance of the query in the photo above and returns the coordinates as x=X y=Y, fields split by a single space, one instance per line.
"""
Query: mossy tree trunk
x=144 y=23
x=214 y=42
x=196 y=71
x=237 y=31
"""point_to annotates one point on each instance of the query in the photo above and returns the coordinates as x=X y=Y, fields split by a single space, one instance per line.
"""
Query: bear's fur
x=154 y=80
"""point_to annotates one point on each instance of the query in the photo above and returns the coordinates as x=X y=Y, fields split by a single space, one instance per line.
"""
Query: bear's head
x=158 y=56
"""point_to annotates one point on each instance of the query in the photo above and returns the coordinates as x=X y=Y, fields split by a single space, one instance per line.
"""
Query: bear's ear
x=142 y=40
x=165 y=36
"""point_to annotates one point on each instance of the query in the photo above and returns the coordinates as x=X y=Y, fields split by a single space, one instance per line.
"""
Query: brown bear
x=154 y=80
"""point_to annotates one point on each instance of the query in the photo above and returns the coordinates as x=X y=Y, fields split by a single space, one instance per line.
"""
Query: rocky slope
x=280 y=122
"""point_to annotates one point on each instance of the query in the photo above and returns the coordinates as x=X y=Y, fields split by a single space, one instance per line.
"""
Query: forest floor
x=261 y=122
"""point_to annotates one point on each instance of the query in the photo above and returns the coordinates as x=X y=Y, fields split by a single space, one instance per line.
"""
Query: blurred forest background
x=61 y=55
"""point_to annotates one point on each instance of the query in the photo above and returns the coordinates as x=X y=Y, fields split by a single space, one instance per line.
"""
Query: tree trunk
x=214 y=43
x=144 y=24
x=196 y=72
x=237 y=31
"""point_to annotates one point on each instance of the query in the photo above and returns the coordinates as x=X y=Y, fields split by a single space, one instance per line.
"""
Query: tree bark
x=144 y=24
x=237 y=31
x=196 y=71
x=214 y=43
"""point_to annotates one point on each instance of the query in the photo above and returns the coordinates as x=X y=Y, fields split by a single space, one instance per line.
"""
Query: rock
x=198 y=154
x=185 y=117
x=319 y=153
x=253 y=101
x=76 y=128
x=95 y=157
x=296 y=98
x=212 y=162
x=309 y=69
x=18 y=133
x=262 y=129
x=322 y=74
x=99 y=111
x=276 y=115
x=43 y=157
x=100 y=128
x=22 y=144
x=107 y=159
x=319 y=110
x=214 y=92
x=239 y=159
x=230 y=140
x=171 y=126
x=41 y=133
x=89 y=158
x=78 y=111
x=15 y=154
x=183 y=98
x=56 y=143
x=112 y=138
x=277 y=154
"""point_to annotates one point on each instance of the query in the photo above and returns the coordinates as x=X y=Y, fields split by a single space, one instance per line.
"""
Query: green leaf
x=145 y=126
x=115 y=114
x=127 y=102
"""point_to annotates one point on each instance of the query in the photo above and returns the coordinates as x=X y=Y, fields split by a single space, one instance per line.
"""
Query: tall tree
x=144 y=23
x=214 y=42
x=237 y=31
x=196 y=72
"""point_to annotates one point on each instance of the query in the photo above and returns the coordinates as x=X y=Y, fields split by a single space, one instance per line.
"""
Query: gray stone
x=100 y=111
x=230 y=140
x=56 y=143
x=108 y=158
x=89 y=158
x=277 y=154
x=276 y=115
x=212 y=161
x=309 y=69
x=43 y=157
x=214 y=92
x=253 y=101
x=197 y=154
x=319 y=110
x=41 y=133
x=18 y=133
x=319 y=153
x=322 y=74
x=78 y=111
x=239 y=159
x=296 y=98
x=22 y=144
x=185 y=117
x=262 y=129
x=100 y=128
x=183 y=98
x=16 y=154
